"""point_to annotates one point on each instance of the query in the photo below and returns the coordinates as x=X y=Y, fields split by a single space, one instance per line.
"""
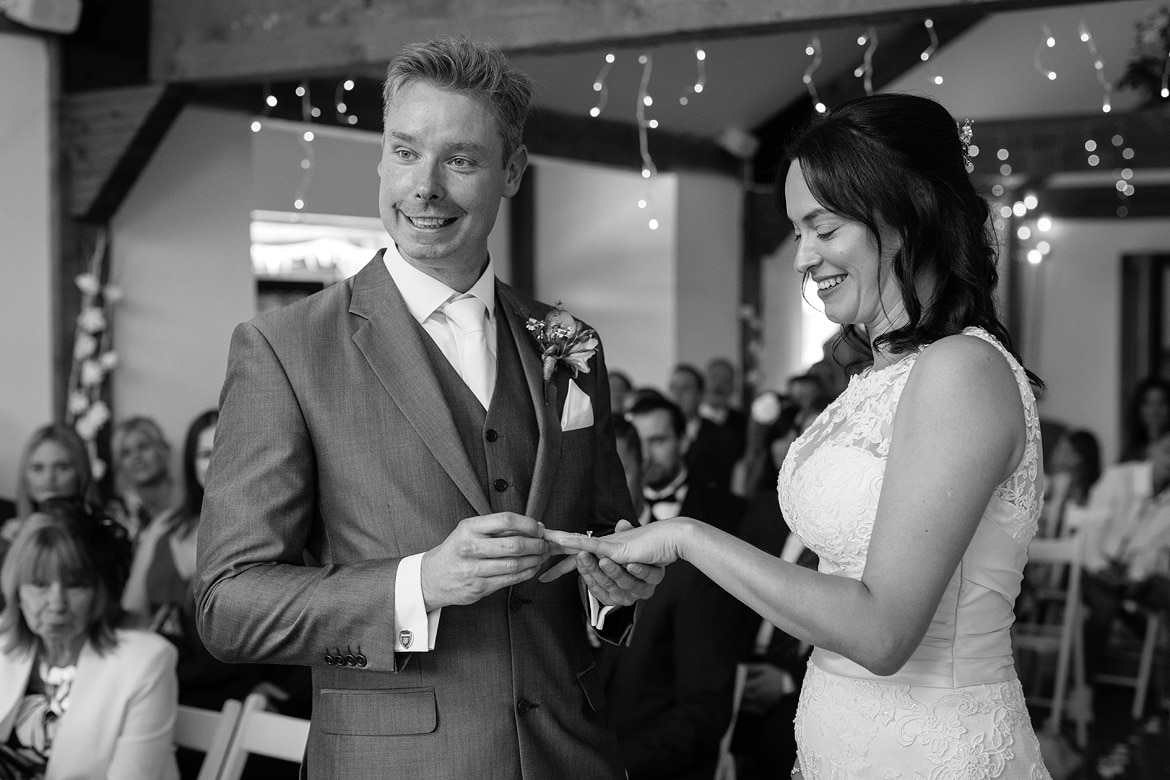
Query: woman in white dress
x=919 y=487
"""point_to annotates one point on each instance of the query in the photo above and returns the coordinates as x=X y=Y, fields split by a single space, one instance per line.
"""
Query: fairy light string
x=600 y=87
x=700 y=78
x=929 y=51
x=813 y=50
x=645 y=101
x=340 y=104
x=1047 y=41
x=306 y=141
x=865 y=69
x=1098 y=65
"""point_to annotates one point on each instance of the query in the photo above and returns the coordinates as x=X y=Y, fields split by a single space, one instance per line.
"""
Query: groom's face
x=442 y=177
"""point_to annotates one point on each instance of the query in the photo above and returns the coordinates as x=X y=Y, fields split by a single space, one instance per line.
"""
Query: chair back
x=725 y=767
x=1064 y=555
x=209 y=732
x=264 y=733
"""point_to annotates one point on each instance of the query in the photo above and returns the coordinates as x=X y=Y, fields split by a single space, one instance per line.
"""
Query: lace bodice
x=829 y=487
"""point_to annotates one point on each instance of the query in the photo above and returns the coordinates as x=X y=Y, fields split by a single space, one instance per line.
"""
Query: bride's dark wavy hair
x=898 y=160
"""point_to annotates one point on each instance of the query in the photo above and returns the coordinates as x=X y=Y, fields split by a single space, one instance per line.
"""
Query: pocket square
x=578 y=410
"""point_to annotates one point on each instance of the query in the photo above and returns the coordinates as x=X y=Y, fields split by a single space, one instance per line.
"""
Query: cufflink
x=405 y=638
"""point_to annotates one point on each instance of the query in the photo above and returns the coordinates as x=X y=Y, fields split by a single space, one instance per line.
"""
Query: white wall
x=26 y=256
x=1072 y=320
x=180 y=246
x=710 y=259
x=596 y=254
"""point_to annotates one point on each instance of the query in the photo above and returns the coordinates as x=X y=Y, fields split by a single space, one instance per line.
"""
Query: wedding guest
x=1127 y=536
x=921 y=542
x=1073 y=470
x=388 y=455
x=620 y=389
x=80 y=697
x=669 y=694
x=55 y=464
x=142 y=458
x=719 y=406
x=710 y=451
x=1147 y=417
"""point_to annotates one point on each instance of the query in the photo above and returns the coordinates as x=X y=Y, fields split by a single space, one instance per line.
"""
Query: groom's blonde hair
x=479 y=69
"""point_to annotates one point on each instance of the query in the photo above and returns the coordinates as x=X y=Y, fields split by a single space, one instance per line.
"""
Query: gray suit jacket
x=336 y=456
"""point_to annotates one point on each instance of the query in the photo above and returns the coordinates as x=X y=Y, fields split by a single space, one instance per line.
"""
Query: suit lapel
x=545 y=403
x=390 y=341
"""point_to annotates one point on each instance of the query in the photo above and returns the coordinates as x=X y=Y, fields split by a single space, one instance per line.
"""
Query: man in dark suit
x=669 y=694
x=390 y=452
x=718 y=406
x=709 y=449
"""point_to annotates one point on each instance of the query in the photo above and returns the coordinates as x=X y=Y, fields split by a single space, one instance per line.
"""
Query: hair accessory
x=965 y=136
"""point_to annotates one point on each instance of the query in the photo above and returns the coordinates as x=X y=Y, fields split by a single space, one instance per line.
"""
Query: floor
x=1120 y=748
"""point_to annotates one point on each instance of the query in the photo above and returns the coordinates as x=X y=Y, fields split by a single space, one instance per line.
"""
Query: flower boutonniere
x=563 y=339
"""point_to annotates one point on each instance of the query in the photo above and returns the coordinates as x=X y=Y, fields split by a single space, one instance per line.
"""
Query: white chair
x=1062 y=639
x=725 y=768
x=209 y=732
x=264 y=733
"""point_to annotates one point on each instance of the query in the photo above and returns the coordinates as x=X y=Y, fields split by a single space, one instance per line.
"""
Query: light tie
x=477 y=366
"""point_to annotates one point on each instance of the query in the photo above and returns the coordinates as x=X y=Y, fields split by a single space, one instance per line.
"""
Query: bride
x=919 y=487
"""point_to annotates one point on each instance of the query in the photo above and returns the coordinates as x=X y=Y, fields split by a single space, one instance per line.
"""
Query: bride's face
x=841 y=255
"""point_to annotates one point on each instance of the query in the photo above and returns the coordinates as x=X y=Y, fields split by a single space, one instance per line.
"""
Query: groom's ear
x=514 y=170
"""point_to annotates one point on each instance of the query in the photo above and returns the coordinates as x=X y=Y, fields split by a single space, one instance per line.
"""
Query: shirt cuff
x=415 y=629
x=598 y=612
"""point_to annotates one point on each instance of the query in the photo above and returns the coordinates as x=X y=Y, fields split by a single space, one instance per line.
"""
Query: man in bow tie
x=669 y=694
x=389 y=453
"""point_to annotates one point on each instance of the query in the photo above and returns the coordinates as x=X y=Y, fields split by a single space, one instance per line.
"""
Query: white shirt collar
x=424 y=295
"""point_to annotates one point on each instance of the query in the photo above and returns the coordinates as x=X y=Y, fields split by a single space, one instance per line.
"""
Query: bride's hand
x=657 y=544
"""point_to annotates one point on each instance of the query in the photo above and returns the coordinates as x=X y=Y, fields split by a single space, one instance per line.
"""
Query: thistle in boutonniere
x=563 y=339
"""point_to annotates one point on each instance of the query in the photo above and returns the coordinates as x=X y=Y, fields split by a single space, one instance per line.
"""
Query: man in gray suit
x=384 y=469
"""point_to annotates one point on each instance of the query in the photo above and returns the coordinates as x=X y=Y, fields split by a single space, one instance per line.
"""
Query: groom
x=387 y=458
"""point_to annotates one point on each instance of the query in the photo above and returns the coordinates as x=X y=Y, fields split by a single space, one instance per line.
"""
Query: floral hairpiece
x=563 y=339
x=966 y=133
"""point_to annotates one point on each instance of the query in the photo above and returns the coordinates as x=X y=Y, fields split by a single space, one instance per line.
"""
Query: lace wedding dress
x=956 y=709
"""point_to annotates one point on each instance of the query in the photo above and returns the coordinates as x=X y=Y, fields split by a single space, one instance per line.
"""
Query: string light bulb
x=340 y=105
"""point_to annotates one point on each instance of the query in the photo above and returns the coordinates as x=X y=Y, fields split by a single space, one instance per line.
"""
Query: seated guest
x=55 y=464
x=1073 y=470
x=1147 y=417
x=669 y=693
x=620 y=390
x=142 y=460
x=809 y=394
x=158 y=594
x=718 y=404
x=710 y=451
x=1128 y=535
x=79 y=696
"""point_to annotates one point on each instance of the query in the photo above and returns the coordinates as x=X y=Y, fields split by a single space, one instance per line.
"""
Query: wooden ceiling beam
x=234 y=41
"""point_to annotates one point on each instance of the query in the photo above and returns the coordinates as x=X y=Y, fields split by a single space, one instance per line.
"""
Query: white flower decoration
x=92 y=319
x=84 y=346
x=766 y=408
x=113 y=294
x=91 y=373
x=88 y=283
x=108 y=361
x=78 y=403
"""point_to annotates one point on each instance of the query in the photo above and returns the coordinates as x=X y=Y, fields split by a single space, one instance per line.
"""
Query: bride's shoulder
x=964 y=368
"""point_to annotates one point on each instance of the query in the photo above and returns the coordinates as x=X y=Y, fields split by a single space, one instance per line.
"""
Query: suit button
x=523 y=706
x=350 y=660
x=329 y=659
x=515 y=603
x=491 y=434
x=500 y=485
x=361 y=660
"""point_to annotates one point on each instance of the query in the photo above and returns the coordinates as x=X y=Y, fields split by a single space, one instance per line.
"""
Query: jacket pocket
x=591 y=684
x=376 y=712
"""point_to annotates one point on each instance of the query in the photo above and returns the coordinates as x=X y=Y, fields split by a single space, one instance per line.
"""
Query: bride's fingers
x=560 y=569
x=570 y=541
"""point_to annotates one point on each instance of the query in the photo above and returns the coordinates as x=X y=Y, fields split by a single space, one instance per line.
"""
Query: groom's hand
x=482 y=555
x=614 y=584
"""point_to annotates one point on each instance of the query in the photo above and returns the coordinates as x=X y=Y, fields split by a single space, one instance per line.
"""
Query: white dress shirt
x=425 y=297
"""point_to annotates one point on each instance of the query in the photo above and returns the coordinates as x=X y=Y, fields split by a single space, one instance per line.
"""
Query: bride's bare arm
x=959 y=431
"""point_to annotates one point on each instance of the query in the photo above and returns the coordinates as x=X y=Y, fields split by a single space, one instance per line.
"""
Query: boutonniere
x=563 y=339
